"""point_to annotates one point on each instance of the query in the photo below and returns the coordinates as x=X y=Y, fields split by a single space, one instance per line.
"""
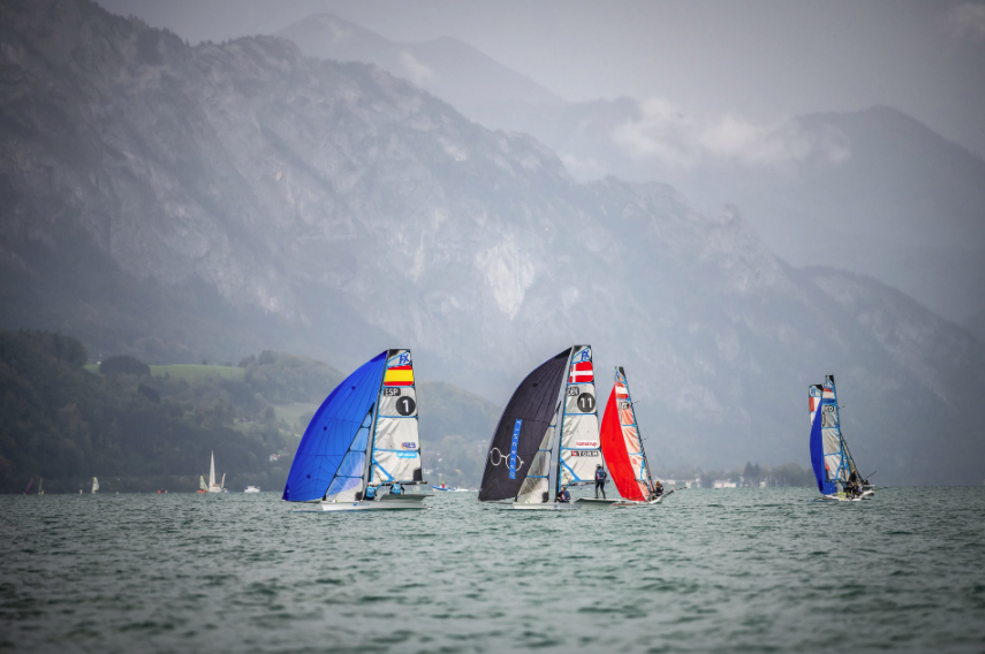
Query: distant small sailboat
x=213 y=487
x=362 y=447
x=30 y=484
x=95 y=485
x=547 y=437
x=41 y=486
x=622 y=446
x=834 y=467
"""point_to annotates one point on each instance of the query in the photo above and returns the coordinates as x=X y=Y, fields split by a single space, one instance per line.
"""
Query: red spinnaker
x=615 y=452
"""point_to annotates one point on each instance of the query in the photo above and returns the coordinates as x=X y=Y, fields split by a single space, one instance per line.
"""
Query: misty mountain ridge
x=875 y=180
x=233 y=192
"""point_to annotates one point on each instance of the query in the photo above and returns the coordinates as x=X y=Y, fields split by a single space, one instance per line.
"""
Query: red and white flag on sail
x=581 y=373
x=621 y=392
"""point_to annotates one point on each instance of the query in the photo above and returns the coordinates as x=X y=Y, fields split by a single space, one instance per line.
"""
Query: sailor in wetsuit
x=370 y=493
x=563 y=496
x=396 y=489
x=658 y=488
x=600 y=475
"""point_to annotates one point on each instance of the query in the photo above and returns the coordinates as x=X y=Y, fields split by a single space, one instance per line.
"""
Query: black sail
x=527 y=416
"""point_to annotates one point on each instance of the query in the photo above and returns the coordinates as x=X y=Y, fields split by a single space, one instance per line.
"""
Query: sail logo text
x=516 y=441
x=585 y=453
x=409 y=446
x=586 y=443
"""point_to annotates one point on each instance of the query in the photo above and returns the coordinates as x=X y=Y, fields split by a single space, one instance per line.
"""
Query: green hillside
x=63 y=420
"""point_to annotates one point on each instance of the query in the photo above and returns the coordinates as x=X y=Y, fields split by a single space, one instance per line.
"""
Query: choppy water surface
x=710 y=570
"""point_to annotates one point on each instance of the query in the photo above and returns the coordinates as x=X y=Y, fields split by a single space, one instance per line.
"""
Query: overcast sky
x=760 y=60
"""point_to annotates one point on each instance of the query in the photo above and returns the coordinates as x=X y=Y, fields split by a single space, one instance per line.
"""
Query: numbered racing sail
x=580 y=449
x=622 y=444
x=365 y=432
x=519 y=461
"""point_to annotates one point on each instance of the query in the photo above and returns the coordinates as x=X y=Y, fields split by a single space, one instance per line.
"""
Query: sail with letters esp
x=364 y=435
x=622 y=444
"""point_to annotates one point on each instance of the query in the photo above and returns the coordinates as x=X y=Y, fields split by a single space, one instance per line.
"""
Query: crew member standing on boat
x=600 y=476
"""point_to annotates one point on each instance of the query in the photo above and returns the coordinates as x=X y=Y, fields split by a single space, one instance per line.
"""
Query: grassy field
x=189 y=371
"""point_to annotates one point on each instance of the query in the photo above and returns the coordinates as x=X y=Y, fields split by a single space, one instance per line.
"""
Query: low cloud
x=665 y=132
x=966 y=21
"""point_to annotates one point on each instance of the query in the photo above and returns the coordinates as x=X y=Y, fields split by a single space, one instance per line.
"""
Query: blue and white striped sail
x=835 y=465
x=825 y=482
x=580 y=447
x=338 y=433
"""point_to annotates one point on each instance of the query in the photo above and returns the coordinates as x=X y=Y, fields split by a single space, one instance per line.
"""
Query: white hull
x=252 y=489
x=214 y=489
x=841 y=497
x=385 y=503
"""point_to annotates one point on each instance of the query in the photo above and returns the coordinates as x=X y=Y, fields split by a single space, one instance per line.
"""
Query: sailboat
x=362 y=447
x=830 y=458
x=623 y=447
x=95 y=485
x=213 y=487
x=547 y=437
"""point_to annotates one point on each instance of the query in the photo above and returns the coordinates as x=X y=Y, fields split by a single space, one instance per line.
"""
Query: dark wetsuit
x=600 y=475
x=564 y=497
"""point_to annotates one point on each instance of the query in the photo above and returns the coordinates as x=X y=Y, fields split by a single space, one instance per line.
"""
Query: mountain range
x=184 y=202
x=873 y=191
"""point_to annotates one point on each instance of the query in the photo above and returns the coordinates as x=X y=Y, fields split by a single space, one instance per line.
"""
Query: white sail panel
x=536 y=487
x=389 y=465
x=580 y=448
x=396 y=434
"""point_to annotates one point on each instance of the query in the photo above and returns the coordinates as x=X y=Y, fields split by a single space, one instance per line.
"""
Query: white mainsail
x=580 y=449
x=95 y=484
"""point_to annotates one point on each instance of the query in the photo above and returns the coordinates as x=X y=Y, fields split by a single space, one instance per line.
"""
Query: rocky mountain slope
x=874 y=191
x=237 y=192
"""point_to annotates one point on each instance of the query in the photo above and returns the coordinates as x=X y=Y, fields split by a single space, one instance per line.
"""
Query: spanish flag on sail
x=399 y=376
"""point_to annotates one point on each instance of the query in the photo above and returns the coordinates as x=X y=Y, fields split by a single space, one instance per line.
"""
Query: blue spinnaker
x=331 y=431
x=817 y=458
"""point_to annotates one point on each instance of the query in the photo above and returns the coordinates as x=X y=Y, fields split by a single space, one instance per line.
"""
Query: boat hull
x=625 y=503
x=385 y=503
x=841 y=497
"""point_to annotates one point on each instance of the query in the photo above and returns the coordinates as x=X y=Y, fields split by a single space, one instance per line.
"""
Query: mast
x=621 y=375
x=556 y=439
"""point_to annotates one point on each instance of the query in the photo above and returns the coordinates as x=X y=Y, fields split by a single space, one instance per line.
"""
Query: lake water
x=754 y=570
